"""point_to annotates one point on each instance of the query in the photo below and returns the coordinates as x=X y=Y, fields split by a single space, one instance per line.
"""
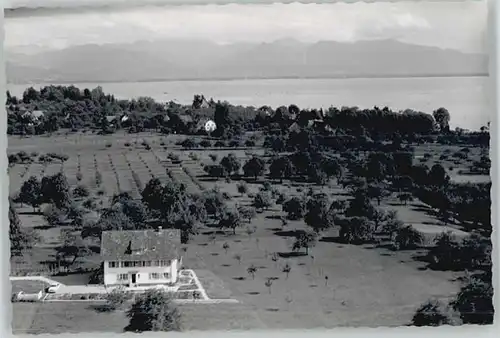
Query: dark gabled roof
x=140 y=244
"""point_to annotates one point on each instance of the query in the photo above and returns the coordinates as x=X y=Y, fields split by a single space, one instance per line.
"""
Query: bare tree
x=269 y=283
x=287 y=269
x=252 y=270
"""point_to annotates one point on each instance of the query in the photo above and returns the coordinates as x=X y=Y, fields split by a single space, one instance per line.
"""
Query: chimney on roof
x=128 y=251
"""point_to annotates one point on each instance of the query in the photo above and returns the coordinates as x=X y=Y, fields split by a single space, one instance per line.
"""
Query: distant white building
x=209 y=126
x=34 y=116
x=141 y=257
x=204 y=103
x=124 y=118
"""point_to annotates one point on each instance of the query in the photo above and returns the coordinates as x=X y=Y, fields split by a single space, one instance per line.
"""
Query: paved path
x=200 y=289
x=178 y=301
x=101 y=289
x=38 y=278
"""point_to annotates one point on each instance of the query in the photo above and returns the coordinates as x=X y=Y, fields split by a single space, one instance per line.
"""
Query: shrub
x=98 y=178
x=281 y=198
x=61 y=157
x=444 y=253
x=193 y=156
x=215 y=170
x=43 y=158
x=474 y=302
x=81 y=191
x=13 y=158
x=355 y=230
x=23 y=156
x=247 y=212
x=242 y=187
x=262 y=200
x=206 y=144
x=234 y=143
x=90 y=204
x=127 y=144
x=53 y=215
x=266 y=186
x=295 y=207
x=117 y=297
x=108 y=145
x=213 y=157
x=407 y=238
x=188 y=143
x=430 y=313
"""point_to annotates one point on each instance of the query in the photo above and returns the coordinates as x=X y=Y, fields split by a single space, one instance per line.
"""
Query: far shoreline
x=255 y=78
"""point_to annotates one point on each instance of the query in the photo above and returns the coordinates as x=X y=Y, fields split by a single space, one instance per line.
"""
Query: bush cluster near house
x=289 y=182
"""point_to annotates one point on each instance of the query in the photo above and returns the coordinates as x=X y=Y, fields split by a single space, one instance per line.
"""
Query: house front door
x=134 y=278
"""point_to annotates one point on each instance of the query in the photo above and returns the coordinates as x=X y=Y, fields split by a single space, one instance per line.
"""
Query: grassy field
x=336 y=285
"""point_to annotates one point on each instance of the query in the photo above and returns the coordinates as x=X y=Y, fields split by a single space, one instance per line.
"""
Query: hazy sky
x=458 y=25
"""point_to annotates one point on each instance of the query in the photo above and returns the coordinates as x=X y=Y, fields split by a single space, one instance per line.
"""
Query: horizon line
x=250 y=78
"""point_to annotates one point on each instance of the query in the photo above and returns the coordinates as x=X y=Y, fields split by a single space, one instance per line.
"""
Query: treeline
x=75 y=109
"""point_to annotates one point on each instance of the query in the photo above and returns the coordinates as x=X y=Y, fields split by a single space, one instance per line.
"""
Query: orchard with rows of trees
x=369 y=152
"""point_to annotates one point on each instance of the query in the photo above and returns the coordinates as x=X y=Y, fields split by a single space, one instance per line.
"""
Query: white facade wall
x=142 y=274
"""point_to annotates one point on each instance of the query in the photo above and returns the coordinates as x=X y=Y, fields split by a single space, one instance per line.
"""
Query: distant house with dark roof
x=205 y=103
x=294 y=127
x=185 y=118
x=111 y=118
x=141 y=257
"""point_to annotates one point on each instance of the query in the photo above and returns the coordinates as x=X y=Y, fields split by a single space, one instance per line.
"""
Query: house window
x=154 y=275
x=156 y=263
x=128 y=264
x=166 y=275
x=123 y=276
x=147 y=263
x=113 y=264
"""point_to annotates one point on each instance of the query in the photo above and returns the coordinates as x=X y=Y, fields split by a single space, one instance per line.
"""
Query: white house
x=141 y=257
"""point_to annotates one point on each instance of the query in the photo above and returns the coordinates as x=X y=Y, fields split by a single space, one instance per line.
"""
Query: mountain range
x=204 y=60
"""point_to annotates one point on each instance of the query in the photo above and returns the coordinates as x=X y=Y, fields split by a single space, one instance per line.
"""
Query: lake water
x=466 y=98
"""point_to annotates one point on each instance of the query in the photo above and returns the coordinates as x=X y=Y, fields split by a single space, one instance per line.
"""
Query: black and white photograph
x=248 y=166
